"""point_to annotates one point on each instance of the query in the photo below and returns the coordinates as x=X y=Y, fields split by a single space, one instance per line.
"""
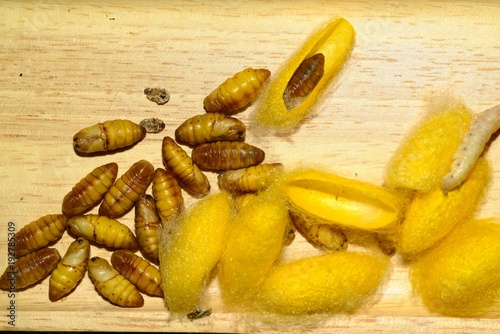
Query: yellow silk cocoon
x=332 y=282
x=425 y=155
x=254 y=244
x=461 y=276
x=433 y=214
x=191 y=248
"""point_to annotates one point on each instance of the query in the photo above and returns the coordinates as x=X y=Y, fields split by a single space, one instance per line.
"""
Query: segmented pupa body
x=208 y=128
x=237 y=92
x=147 y=227
x=70 y=269
x=123 y=194
x=113 y=285
x=138 y=271
x=189 y=175
x=322 y=236
x=90 y=190
x=40 y=233
x=103 y=230
x=167 y=195
x=303 y=80
x=107 y=136
x=251 y=179
x=471 y=147
x=225 y=155
x=30 y=268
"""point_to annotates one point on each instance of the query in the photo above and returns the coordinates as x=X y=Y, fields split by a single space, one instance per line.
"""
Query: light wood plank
x=67 y=66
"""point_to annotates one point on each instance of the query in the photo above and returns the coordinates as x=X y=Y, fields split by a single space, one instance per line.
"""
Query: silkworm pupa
x=112 y=285
x=107 y=136
x=303 y=80
x=225 y=155
x=30 y=269
x=147 y=227
x=70 y=269
x=237 y=92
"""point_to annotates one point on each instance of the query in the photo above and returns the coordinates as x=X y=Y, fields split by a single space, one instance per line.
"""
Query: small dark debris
x=199 y=313
x=157 y=95
x=153 y=125
x=20 y=74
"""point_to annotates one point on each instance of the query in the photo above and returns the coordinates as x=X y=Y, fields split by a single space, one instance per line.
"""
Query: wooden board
x=67 y=66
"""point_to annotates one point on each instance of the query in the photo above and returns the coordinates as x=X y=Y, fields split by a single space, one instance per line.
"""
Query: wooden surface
x=68 y=66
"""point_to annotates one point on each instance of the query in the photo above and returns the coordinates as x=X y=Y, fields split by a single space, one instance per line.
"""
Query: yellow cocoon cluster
x=254 y=244
x=341 y=201
x=334 y=40
x=461 y=276
x=425 y=156
x=332 y=282
x=191 y=248
x=432 y=214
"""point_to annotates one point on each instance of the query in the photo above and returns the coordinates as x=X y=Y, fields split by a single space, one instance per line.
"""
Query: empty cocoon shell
x=334 y=40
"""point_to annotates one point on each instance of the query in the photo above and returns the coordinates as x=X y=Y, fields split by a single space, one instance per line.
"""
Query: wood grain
x=67 y=66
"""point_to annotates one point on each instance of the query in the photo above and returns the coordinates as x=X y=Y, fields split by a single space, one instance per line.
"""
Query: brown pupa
x=225 y=155
x=122 y=195
x=303 y=80
x=90 y=190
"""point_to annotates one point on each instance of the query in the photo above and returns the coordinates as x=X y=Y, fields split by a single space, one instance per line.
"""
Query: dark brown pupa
x=30 y=268
x=90 y=190
x=123 y=194
x=189 y=175
x=138 y=271
x=303 y=80
x=147 y=227
x=40 y=233
x=226 y=155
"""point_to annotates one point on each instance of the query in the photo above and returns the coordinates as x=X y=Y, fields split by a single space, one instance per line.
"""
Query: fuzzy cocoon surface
x=254 y=244
x=425 y=155
x=332 y=282
x=191 y=249
x=334 y=40
x=461 y=276
x=432 y=214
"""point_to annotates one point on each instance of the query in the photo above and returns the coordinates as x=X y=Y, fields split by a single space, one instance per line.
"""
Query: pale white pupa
x=471 y=147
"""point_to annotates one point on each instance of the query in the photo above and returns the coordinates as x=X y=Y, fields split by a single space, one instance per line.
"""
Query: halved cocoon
x=461 y=275
x=333 y=282
x=334 y=41
x=336 y=200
